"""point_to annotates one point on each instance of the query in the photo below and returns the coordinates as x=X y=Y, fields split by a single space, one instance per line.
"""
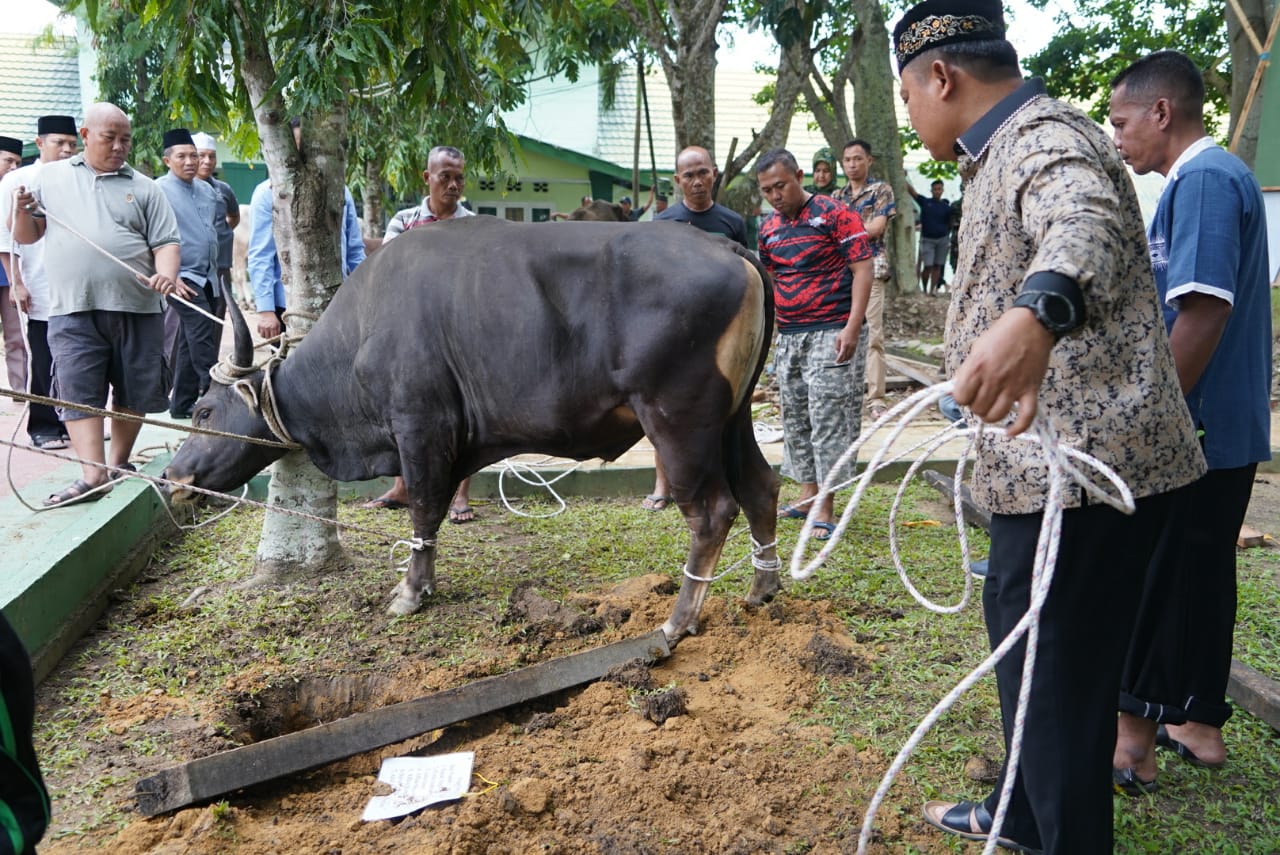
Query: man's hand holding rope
x=1006 y=366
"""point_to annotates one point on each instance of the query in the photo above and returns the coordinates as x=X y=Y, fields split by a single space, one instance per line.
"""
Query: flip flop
x=791 y=513
x=823 y=530
x=1167 y=742
x=456 y=515
x=656 y=503
x=78 y=492
x=384 y=503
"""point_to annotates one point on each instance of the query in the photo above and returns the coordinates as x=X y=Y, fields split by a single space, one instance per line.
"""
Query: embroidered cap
x=11 y=145
x=178 y=136
x=935 y=23
x=55 y=125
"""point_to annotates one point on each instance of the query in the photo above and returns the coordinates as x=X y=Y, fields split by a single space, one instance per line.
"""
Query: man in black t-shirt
x=696 y=177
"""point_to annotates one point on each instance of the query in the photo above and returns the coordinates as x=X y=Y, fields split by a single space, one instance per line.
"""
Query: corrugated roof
x=737 y=114
x=37 y=78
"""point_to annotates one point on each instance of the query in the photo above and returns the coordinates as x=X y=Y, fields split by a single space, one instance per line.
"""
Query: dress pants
x=42 y=420
x=15 y=352
x=1061 y=800
x=875 y=342
x=195 y=349
x=1180 y=657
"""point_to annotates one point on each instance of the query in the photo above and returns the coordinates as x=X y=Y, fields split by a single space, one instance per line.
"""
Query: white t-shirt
x=28 y=257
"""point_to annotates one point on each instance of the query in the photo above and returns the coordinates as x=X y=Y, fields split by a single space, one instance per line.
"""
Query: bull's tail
x=748 y=473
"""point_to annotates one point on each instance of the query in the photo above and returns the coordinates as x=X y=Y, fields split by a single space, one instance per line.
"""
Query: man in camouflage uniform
x=816 y=249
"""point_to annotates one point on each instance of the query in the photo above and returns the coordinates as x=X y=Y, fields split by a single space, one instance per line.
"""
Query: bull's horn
x=242 y=354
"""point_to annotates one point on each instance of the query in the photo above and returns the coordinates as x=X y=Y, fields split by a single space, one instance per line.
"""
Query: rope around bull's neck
x=1061 y=464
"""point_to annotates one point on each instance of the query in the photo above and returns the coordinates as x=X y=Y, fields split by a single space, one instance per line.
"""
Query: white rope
x=1062 y=469
x=528 y=473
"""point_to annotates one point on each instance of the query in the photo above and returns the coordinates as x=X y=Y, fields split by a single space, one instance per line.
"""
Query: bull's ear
x=247 y=392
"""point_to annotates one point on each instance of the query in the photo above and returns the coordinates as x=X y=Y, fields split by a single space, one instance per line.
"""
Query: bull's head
x=217 y=463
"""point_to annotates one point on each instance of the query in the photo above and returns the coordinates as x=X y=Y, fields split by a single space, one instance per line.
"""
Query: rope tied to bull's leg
x=414 y=544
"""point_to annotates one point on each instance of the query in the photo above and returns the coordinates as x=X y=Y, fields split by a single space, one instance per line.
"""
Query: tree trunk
x=1244 y=63
x=793 y=70
x=307 y=186
x=375 y=194
x=685 y=44
x=292 y=546
x=876 y=121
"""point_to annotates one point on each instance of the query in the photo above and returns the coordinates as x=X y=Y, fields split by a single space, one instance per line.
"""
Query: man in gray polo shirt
x=105 y=327
x=191 y=339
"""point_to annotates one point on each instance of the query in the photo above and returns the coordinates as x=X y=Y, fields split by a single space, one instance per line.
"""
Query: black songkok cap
x=10 y=144
x=935 y=23
x=178 y=136
x=55 y=125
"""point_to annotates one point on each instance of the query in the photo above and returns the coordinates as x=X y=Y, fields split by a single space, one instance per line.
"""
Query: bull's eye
x=201 y=415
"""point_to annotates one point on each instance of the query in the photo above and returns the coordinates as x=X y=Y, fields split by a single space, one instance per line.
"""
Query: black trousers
x=22 y=791
x=195 y=348
x=42 y=420
x=1061 y=800
x=1180 y=657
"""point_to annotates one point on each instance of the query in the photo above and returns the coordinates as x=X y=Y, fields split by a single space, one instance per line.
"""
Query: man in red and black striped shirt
x=818 y=252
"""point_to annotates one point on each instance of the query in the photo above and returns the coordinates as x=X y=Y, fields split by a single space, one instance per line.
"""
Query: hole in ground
x=298 y=705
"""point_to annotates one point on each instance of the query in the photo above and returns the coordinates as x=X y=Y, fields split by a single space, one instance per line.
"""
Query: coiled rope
x=1061 y=463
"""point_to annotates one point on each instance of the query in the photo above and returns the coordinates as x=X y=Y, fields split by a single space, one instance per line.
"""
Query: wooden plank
x=1255 y=692
x=218 y=774
x=918 y=371
x=973 y=514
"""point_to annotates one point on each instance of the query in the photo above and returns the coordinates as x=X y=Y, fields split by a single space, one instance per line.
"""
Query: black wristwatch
x=1054 y=311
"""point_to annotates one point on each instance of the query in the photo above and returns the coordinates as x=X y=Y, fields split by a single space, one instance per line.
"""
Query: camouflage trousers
x=821 y=402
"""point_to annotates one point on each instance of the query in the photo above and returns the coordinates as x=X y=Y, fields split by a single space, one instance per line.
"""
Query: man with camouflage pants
x=817 y=250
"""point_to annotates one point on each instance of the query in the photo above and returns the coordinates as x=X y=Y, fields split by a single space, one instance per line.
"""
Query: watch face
x=1057 y=309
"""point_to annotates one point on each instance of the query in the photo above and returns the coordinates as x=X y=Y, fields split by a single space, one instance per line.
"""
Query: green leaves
x=1102 y=37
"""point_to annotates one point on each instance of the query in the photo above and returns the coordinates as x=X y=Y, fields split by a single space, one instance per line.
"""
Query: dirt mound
x=709 y=751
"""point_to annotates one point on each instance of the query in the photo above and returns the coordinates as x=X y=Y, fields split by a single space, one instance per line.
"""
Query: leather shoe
x=970 y=820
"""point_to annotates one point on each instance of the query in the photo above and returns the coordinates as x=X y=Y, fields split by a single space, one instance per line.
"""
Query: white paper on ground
x=420 y=781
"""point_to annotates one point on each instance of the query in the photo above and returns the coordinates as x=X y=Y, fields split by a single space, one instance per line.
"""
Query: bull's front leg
x=418 y=580
x=428 y=504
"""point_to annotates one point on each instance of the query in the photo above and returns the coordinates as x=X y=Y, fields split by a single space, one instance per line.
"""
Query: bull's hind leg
x=693 y=465
x=755 y=486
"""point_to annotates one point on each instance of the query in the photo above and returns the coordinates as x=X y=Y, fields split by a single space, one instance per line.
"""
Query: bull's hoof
x=674 y=634
x=763 y=591
x=405 y=603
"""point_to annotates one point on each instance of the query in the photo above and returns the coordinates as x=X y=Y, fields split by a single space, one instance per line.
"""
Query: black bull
x=461 y=344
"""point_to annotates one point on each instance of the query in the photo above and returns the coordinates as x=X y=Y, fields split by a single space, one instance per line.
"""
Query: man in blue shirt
x=191 y=338
x=935 y=235
x=1208 y=243
x=263 y=263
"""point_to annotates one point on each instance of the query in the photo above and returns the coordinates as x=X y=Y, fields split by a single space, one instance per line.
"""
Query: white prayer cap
x=204 y=142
